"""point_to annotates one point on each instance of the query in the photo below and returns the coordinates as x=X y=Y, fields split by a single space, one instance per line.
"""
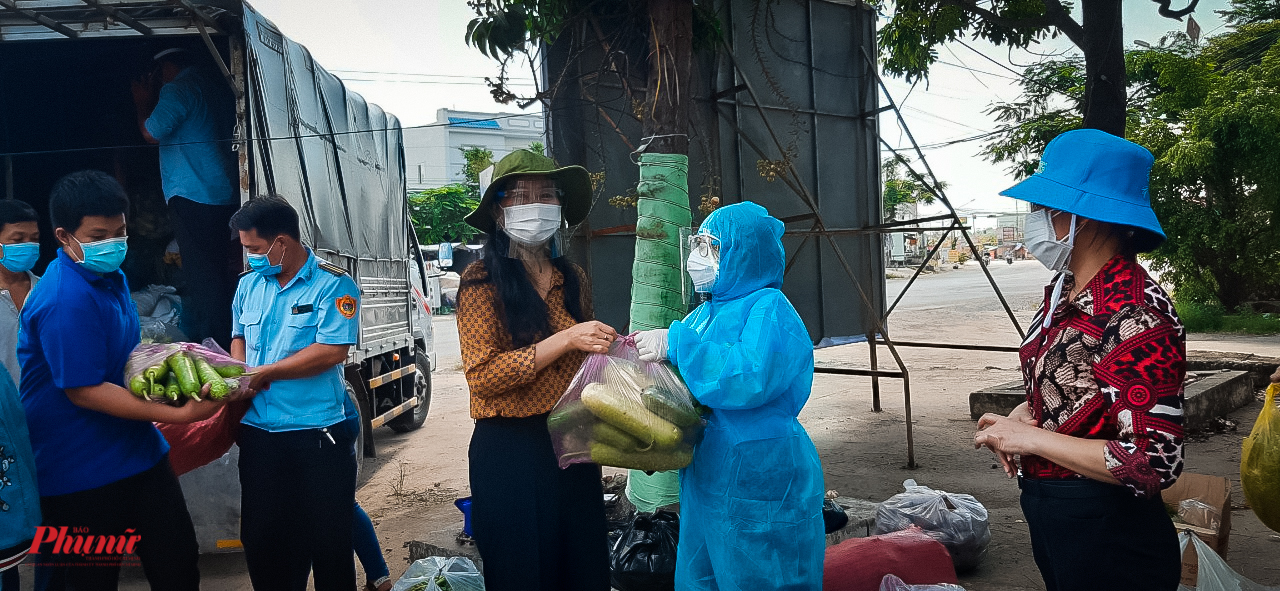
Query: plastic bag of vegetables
x=435 y=573
x=172 y=373
x=1260 y=463
x=622 y=412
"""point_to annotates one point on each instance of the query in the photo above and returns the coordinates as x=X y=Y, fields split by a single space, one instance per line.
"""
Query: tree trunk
x=657 y=288
x=1106 y=99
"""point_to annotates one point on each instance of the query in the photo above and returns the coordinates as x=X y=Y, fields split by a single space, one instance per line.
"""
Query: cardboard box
x=1214 y=491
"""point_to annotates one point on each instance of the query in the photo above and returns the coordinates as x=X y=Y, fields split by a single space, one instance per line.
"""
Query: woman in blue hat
x=1100 y=434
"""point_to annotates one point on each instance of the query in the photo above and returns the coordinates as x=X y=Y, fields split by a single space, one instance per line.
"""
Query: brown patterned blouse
x=502 y=379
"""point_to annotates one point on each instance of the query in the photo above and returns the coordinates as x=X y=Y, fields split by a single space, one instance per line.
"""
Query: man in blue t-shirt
x=190 y=111
x=101 y=465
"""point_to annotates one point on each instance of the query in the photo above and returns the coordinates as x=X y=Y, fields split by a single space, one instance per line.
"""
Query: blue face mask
x=261 y=263
x=20 y=257
x=104 y=256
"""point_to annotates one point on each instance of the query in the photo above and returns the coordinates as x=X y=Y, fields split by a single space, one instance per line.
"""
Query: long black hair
x=524 y=312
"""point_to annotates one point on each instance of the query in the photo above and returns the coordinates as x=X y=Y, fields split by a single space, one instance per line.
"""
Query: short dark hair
x=85 y=193
x=13 y=211
x=270 y=217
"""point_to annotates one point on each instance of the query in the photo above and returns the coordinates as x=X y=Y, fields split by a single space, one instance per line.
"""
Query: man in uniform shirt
x=294 y=320
x=19 y=251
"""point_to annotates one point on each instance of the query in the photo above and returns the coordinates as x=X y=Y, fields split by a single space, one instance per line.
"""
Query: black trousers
x=538 y=528
x=150 y=503
x=209 y=260
x=1088 y=535
x=296 y=507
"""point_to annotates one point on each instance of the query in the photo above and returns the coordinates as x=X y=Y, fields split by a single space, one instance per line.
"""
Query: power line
x=269 y=139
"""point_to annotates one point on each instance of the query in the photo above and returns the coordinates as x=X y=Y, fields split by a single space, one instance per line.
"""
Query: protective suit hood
x=751 y=253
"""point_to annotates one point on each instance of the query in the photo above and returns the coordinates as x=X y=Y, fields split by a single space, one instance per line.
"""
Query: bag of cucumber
x=172 y=373
x=622 y=412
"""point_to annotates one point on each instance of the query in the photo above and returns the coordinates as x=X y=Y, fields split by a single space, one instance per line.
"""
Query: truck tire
x=351 y=394
x=411 y=421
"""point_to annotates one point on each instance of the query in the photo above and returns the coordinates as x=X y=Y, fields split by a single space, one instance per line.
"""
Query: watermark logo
x=79 y=546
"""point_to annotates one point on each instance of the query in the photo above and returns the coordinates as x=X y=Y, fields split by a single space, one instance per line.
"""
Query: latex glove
x=652 y=344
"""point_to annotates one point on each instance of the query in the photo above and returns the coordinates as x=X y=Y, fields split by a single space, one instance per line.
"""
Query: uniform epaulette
x=332 y=268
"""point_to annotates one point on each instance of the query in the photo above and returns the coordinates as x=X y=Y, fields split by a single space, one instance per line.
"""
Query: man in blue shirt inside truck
x=294 y=321
x=101 y=465
x=191 y=117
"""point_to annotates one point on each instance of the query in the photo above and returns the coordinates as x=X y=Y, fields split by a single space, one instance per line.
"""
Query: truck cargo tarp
x=336 y=158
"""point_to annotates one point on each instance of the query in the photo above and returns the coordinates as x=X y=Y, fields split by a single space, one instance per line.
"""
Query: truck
x=299 y=133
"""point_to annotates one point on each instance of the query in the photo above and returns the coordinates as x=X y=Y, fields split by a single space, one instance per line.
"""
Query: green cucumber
x=229 y=370
x=630 y=416
x=569 y=417
x=172 y=390
x=602 y=432
x=185 y=369
x=209 y=376
x=649 y=461
x=139 y=386
x=660 y=401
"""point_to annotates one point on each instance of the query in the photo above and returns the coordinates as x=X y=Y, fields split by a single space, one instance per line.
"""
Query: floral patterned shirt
x=1111 y=366
x=502 y=378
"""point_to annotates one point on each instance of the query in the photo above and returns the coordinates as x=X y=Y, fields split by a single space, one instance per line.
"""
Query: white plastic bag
x=893 y=583
x=958 y=521
x=459 y=573
x=1215 y=575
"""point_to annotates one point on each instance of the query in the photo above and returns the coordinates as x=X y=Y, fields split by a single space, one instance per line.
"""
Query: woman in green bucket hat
x=525 y=326
x=1101 y=432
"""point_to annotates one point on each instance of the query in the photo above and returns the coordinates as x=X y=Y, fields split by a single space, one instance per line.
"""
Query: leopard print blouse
x=1111 y=366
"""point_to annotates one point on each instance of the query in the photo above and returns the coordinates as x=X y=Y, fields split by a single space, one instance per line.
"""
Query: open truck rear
x=65 y=105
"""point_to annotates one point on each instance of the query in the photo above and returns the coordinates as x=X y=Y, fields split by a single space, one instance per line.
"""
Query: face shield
x=530 y=217
x=701 y=259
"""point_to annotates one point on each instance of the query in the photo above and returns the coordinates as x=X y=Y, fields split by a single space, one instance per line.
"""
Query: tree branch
x=1055 y=15
x=1177 y=15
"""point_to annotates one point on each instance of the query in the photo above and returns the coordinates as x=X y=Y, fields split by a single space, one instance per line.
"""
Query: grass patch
x=1202 y=318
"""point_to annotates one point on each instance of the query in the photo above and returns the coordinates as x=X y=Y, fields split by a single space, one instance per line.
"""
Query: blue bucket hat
x=1098 y=176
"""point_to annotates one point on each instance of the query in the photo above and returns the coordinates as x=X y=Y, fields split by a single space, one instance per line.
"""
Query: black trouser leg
x=537 y=527
x=296 y=508
x=149 y=503
x=1126 y=542
x=207 y=246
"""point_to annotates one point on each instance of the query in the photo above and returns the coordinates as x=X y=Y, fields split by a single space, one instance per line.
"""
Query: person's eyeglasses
x=523 y=197
x=704 y=244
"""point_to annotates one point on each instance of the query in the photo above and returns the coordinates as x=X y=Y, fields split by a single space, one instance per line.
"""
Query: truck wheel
x=351 y=394
x=422 y=390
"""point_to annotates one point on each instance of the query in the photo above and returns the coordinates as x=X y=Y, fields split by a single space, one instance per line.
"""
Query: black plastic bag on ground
x=644 y=558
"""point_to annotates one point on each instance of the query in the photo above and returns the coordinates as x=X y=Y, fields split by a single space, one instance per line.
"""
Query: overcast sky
x=408 y=56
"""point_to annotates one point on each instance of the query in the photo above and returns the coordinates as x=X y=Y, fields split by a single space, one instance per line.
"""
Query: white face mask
x=531 y=225
x=1042 y=240
x=703 y=270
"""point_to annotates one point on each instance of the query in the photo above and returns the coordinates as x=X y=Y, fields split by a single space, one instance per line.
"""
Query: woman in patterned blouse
x=524 y=324
x=1101 y=432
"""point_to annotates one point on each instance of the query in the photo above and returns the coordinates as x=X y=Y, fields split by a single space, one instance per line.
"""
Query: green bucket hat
x=574 y=181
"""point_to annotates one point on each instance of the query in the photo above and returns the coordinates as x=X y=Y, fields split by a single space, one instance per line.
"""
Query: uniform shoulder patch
x=332 y=268
x=346 y=306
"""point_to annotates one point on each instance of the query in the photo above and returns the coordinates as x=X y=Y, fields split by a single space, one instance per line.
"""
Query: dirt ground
x=410 y=488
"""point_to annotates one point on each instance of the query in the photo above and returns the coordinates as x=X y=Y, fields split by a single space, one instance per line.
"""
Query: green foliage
x=537 y=147
x=438 y=214
x=1210 y=115
x=1213 y=318
x=477 y=159
x=916 y=28
x=1243 y=12
x=900 y=187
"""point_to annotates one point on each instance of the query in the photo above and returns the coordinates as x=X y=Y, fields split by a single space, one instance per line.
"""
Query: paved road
x=967 y=288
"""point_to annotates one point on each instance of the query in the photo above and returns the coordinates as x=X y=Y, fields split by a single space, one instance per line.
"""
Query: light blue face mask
x=104 y=256
x=20 y=257
x=261 y=263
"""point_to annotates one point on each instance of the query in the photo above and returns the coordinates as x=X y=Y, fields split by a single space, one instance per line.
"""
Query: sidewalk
x=1261 y=345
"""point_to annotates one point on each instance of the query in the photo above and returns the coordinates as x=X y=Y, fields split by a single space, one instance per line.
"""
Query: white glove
x=652 y=344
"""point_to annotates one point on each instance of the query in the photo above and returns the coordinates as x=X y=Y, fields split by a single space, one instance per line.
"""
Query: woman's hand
x=196 y=411
x=1008 y=437
x=592 y=336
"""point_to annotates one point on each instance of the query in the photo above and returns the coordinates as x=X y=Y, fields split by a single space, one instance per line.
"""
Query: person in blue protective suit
x=751 y=500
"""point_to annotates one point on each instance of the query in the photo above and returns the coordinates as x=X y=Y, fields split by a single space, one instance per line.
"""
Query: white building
x=433 y=155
